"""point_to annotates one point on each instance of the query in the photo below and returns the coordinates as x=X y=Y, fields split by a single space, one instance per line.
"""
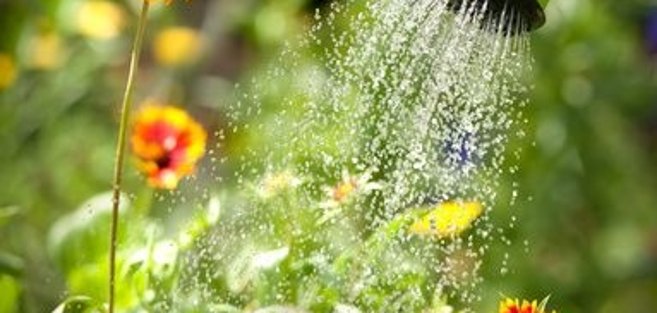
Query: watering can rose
x=167 y=143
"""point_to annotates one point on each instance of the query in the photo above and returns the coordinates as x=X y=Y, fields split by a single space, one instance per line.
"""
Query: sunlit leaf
x=9 y=293
x=79 y=304
x=268 y=259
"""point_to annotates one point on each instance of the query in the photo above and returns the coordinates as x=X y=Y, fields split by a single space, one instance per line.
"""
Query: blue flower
x=651 y=32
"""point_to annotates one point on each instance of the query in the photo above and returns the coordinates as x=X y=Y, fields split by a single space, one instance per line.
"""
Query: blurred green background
x=586 y=230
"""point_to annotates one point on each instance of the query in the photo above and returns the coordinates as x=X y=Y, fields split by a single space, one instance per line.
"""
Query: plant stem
x=120 y=148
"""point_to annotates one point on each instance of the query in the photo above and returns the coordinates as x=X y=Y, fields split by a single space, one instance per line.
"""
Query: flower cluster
x=167 y=143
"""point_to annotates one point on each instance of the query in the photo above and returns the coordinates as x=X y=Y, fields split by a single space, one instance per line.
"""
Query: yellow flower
x=448 y=219
x=168 y=143
x=515 y=306
x=175 y=46
x=45 y=51
x=100 y=19
x=8 y=71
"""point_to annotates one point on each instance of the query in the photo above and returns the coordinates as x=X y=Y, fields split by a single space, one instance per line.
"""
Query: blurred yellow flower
x=175 y=46
x=8 y=71
x=168 y=143
x=45 y=51
x=515 y=306
x=448 y=219
x=100 y=19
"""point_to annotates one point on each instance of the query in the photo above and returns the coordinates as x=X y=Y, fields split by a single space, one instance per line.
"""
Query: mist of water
x=406 y=102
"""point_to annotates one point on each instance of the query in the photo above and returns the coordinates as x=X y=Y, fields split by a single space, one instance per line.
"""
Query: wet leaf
x=79 y=304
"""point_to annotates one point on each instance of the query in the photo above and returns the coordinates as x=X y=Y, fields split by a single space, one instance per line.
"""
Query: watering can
x=515 y=16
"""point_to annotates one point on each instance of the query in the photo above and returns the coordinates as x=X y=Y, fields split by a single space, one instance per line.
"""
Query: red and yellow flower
x=515 y=306
x=168 y=143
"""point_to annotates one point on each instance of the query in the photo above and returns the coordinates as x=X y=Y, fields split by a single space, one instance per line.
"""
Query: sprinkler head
x=507 y=16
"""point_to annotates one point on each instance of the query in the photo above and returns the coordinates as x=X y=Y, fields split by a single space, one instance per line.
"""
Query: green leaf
x=11 y=265
x=79 y=304
x=8 y=212
x=10 y=290
x=82 y=236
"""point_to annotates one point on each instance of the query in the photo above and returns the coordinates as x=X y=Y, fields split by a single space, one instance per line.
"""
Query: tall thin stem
x=120 y=148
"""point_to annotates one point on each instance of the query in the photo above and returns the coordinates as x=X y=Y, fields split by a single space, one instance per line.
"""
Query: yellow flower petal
x=507 y=304
x=448 y=219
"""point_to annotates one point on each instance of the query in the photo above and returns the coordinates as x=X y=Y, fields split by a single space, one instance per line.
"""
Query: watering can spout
x=508 y=16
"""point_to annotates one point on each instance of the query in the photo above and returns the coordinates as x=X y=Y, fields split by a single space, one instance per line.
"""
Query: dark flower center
x=164 y=161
